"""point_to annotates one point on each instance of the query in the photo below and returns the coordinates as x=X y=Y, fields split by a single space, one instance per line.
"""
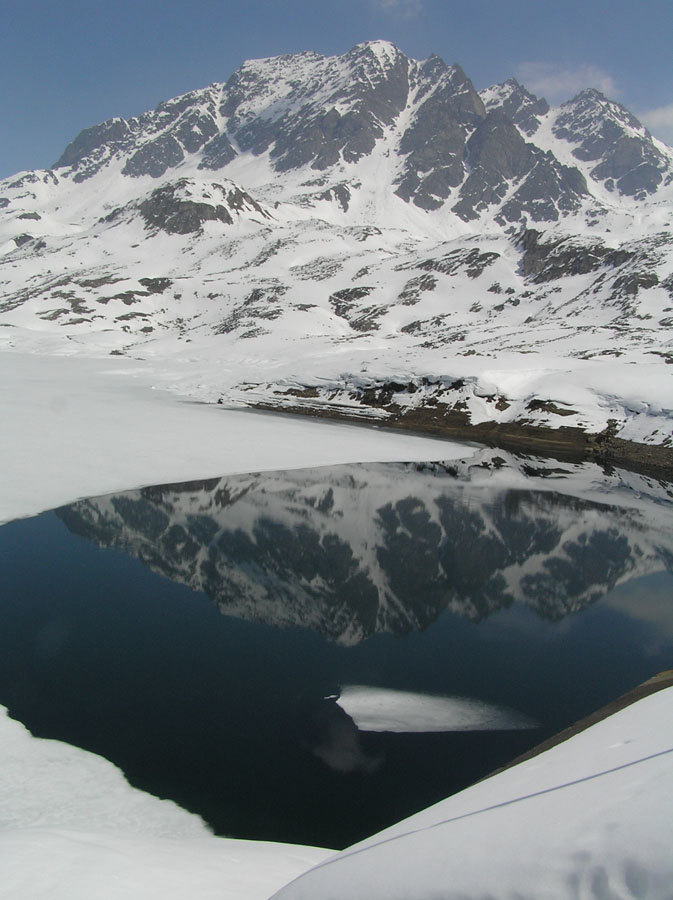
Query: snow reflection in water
x=381 y=709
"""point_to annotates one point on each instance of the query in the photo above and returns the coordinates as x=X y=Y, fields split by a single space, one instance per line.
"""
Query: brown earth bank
x=565 y=443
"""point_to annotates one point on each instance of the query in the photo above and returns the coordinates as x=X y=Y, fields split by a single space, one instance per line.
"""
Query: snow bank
x=587 y=818
x=75 y=427
x=72 y=827
x=81 y=866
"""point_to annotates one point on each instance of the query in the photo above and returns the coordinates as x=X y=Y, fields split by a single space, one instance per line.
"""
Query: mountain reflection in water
x=354 y=550
x=447 y=594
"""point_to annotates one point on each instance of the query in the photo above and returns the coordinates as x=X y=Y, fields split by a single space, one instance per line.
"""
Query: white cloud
x=647 y=601
x=660 y=122
x=557 y=84
x=403 y=8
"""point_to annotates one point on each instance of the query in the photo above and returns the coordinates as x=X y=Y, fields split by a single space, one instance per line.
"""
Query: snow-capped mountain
x=355 y=550
x=328 y=225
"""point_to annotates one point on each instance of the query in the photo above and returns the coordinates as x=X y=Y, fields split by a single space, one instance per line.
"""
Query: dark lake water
x=198 y=635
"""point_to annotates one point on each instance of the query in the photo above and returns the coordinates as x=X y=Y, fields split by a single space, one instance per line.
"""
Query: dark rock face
x=604 y=132
x=115 y=133
x=339 y=193
x=383 y=92
x=171 y=208
x=412 y=290
x=434 y=144
x=472 y=262
x=623 y=273
x=217 y=153
x=496 y=152
x=155 y=157
x=498 y=156
x=152 y=143
x=550 y=260
x=631 y=165
x=195 y=129
x=319 y=135
x=155 y=285
x=498 y=147
x=550 y=189
x=342 y=301
x=346 y=304
x=320 y=141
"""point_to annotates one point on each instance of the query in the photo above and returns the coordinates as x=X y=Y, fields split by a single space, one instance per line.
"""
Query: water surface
x=199 y=635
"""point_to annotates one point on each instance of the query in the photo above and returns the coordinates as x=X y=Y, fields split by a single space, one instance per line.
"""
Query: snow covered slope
x=334 y=224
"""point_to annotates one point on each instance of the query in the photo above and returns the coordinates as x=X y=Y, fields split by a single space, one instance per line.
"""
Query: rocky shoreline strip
x=566 y=443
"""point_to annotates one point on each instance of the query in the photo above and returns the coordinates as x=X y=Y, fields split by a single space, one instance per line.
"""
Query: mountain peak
x=522 y=107
x=591 y=102
x=384 y=51
x=588 y=95
x=620 y=149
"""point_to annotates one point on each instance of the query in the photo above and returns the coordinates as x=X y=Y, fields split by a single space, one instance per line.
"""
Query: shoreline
x=658 y=682
x=567 y=444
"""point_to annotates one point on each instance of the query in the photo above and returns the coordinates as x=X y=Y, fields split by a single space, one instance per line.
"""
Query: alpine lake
x=309 y=656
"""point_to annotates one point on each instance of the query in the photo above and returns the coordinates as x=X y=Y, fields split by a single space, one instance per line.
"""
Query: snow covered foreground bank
x=75 y=427
x=72 y=827
x=590 y=817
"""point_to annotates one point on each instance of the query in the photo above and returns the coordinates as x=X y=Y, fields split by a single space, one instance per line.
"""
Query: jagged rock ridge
x=306 y=110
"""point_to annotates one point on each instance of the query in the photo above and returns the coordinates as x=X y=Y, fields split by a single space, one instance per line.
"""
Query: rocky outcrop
x=183 y=208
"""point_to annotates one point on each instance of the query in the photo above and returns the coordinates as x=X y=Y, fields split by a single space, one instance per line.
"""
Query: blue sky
x=70 y=64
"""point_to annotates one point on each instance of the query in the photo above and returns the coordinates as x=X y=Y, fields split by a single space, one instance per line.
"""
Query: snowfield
x=75 y=427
